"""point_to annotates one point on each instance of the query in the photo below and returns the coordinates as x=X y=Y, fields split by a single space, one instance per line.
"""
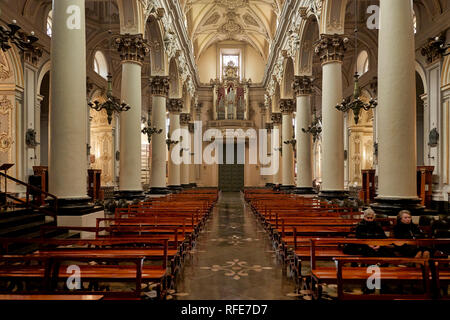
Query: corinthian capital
x=331 y=48
x=185 y=118
x=132 y=47
x=276 y=118
x=174 y=105
x=287 y=105
x=159 y=85
x=302 y=85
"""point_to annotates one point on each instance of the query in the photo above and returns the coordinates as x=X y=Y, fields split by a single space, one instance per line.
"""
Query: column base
x=193 y=185
x=269 y=185
x=158 y=190
x=75 y=206
x=185 y=186
x=304 y=190
x=333 y=194
x=175 y=188
x=392 y=206
x=286 y=187
x=129 y=194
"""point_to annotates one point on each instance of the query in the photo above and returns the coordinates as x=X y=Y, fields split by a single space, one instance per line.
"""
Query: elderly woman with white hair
x=368 y=228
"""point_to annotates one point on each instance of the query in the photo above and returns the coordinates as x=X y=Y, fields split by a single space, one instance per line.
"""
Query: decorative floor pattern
x=233 y=259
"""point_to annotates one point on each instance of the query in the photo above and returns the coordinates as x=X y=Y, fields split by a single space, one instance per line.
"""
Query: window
x=362 y=63
x=227 y=56
x=100 y=64
x=49 y=23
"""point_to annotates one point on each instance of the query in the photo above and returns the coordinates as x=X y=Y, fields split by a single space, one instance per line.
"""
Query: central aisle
x=233 y=259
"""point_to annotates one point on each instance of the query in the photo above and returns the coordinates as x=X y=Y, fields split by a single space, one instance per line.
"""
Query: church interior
x=224 y=150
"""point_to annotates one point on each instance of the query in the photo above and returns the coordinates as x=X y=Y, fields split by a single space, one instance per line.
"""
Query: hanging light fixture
x=149 y=130
x=112 y=104
x=356 y=104
x=12 y=35
x=315 y=128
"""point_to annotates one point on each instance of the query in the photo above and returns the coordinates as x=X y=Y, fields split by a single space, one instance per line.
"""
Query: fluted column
x=276 y=121
x=174 y=106
x=287 y=107
x=132 y=49
x=330 y=49
x=397 y=109
x=303 y=90
x=184 y=167
x=159 y=88
x=68 y=111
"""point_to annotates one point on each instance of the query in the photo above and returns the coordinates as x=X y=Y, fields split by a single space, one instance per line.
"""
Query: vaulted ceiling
x=250 y=21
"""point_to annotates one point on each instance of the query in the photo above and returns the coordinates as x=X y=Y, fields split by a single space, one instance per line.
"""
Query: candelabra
x=315 y=128
x=12 y=35
x=111 y=105
x=356 y=104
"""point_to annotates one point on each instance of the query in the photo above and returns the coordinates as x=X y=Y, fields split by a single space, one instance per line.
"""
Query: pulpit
x=41 y=171
x=94 y=184
x=425 y=184
x=368 y=185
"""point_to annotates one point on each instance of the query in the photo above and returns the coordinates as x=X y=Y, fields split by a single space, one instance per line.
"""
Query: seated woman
x=368 y=228
x=405 y=229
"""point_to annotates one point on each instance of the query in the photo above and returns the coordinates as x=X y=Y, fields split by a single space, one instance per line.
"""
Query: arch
x=362 y=63
x=100 y=65
x=131 y=16
x=158 y=57
x=309 y=33
x=276 y=98
x=333 y=17
x=445 y=76
x=421 y=71
x=175 y=82
x=288 y=77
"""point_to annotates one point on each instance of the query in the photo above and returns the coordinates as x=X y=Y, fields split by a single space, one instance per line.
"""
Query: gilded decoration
x=5 y=105
x=159 y=85
x=5 y=71
x=5 y=142
x=331 y=48
x=302 y=85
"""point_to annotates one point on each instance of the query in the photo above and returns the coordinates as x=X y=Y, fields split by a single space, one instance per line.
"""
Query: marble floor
x=233 y=259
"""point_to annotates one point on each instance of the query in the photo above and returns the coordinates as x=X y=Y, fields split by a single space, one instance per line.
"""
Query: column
x=276 y=121
x=303 y=90
x=174 y=106
x=287 y=107
x=67 y=163
x=330 y=50
x=159 y=88
x=192 y=180
x=397 y=110
x=184 y=123
x=269 y=127
x=132 y=49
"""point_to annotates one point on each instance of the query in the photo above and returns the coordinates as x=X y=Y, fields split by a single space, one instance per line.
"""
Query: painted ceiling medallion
x=232 y=4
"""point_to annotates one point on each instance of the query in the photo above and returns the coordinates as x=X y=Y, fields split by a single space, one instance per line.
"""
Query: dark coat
x=369 y=230
x=407 y=231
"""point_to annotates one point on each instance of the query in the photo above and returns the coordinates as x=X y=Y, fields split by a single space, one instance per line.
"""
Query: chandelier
x=149 y=130
x=356 y=104
x=112 y=104
x=12 y=35
x=315 y=129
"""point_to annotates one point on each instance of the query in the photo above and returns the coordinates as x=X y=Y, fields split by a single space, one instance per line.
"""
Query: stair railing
x=50 y=210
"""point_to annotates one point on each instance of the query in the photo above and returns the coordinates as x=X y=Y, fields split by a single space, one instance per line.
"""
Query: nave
x=233 y=259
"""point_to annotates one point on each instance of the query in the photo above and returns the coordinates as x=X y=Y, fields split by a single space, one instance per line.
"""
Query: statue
x=231 y=100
